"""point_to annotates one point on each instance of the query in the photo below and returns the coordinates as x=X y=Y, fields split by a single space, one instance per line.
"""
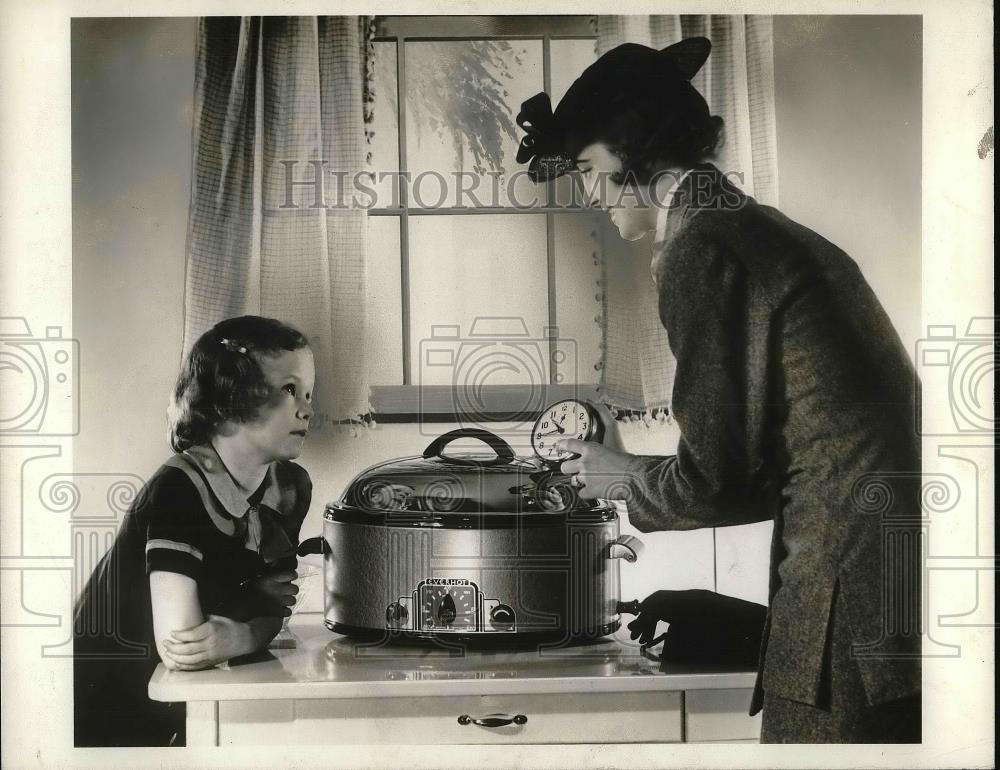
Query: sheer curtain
x=278 y=102
x=738 y=83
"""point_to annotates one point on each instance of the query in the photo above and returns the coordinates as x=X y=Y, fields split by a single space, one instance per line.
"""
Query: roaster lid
x=466 y=489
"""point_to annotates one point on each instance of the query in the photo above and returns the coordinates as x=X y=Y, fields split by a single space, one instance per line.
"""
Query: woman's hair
x=648 y=128
x=221 y=379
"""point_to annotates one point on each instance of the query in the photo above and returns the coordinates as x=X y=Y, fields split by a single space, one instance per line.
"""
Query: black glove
x=704 y=627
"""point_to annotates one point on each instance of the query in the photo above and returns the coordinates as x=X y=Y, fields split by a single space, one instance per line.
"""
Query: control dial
x=448 y=608
x=396 y=615
x=502 y=617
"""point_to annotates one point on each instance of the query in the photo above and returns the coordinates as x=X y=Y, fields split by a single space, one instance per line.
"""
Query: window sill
x=489 y=403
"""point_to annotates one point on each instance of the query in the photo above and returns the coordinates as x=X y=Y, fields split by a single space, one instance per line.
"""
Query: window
x=484 y=286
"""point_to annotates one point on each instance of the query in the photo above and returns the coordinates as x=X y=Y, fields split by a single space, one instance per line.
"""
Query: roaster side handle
x=310 y=545
x=627 y=547
x=504 y=452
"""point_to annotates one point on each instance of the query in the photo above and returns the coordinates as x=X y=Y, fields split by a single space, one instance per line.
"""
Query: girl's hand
x=599 y=471
x=215 y=641
x=279 y=588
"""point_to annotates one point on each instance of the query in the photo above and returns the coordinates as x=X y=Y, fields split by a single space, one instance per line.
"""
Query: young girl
x=201 y=569
x=793 y=393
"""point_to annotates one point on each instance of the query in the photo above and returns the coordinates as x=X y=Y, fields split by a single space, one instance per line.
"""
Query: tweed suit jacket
x=795 y=400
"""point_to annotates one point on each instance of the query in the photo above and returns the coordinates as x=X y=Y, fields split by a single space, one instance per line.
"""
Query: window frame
x=411 y=402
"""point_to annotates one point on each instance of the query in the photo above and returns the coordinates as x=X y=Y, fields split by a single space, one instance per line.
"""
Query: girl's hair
x=667 y=124
x=221 y=379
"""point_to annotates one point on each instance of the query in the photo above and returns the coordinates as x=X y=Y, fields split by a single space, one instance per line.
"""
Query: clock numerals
x=566 y=419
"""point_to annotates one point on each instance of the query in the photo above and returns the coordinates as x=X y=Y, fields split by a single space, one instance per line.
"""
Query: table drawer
x=719 y=715
x=560 y=718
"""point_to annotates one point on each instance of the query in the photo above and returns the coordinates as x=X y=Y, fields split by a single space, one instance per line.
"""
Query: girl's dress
x=192 y=519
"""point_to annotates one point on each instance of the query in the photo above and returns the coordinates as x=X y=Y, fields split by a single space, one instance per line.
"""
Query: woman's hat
x=626 y=69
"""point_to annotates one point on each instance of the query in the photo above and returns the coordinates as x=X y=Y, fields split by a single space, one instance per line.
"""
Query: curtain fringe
x=657 y=415
x=368 y=83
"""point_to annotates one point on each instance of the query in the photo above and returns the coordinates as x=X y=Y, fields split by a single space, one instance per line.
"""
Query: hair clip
x=230 y=345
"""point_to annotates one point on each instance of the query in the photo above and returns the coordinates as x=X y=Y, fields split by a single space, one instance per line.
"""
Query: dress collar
x=702 y=187
x=255 y=519
x=664 y=211
x=231 y=498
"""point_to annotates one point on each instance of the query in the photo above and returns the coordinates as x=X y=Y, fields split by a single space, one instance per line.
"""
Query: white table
x=334 y=690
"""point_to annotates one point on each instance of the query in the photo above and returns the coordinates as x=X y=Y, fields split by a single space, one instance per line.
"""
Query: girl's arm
x=186 y=640
x=217 y=640
x=175 y=606
x=175 y=544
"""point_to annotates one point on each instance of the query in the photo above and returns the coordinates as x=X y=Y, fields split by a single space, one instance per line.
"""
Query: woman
x=793 y=394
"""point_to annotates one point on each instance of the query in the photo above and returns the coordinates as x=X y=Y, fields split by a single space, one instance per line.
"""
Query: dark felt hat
x=623 y=71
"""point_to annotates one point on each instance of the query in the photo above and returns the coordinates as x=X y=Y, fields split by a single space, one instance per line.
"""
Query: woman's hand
x=600 y=471
x=612 y=435
x=703 y=626
x=215 y=641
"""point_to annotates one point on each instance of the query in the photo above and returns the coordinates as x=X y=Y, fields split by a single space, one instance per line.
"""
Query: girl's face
x=628 y=206
x=280 y=429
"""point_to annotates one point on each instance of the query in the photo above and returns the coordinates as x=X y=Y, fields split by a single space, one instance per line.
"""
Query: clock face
x=564 y=419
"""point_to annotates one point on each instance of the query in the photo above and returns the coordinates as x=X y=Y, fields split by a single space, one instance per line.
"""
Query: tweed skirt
x=842 y=713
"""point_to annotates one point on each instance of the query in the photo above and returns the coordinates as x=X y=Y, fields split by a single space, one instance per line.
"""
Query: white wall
x=848 y=108
x=132 y=96
x=848 y=103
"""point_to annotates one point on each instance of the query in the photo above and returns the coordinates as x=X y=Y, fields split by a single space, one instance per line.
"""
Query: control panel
x=449 y=605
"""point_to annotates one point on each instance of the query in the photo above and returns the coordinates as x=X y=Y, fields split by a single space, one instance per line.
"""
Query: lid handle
x=504 y=452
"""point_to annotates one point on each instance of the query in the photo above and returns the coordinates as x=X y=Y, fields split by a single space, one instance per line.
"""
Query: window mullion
x=404 y=203
x=550 y=227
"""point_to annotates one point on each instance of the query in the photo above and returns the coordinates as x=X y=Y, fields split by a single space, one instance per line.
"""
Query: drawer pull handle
x=493 y=720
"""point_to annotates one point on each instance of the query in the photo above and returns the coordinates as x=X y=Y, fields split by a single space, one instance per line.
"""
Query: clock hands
x=553 y=421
